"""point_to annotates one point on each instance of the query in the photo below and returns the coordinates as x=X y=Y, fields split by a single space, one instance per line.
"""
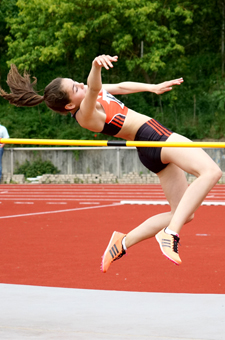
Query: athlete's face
x=76 y=92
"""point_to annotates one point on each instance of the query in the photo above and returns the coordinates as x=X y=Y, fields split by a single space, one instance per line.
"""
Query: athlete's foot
x=169 y=246
x=114 y=251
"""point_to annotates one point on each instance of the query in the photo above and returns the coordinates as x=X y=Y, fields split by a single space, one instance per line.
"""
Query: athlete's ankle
x=124 y=243
x=171 y=232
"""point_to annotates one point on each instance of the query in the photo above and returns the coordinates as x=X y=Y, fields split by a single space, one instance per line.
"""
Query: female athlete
x=95 y=108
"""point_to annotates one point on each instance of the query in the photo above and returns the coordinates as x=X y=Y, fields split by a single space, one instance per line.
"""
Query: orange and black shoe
x=169 y=246
x=114 y=251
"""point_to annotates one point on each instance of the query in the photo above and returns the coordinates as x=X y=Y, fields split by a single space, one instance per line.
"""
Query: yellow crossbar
x=111 y=143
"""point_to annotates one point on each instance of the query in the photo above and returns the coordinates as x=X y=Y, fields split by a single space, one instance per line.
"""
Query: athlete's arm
x=133 y=87
x=94 y=84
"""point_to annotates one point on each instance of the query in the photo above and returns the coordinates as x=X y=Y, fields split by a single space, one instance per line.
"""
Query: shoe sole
x=106 y=251
x=157 y=239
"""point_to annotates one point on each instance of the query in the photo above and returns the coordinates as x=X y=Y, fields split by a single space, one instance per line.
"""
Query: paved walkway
x=30 y=312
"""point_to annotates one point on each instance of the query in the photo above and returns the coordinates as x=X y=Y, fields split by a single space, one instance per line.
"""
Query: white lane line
x=85 y=191
x=23 y=202
x=56 y=202
x=157 y=202
x=67 y=199
x=59 y=211
x=213 y=203
x=135 y=194
x=115 y=188
x=78 y=189
x=89 y=203
x=148 y=202
x=30 y=195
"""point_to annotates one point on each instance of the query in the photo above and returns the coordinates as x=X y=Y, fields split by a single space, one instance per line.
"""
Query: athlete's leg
x=183 y=199
x=174 y=185
x=194 y=161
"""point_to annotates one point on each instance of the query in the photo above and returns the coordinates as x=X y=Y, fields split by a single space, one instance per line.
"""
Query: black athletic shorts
x=151 y=157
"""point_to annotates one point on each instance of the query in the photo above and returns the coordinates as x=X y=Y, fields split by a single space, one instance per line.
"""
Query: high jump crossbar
x=119 y=143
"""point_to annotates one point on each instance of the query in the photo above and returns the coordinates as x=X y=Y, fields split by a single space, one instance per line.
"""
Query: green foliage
x=37 y=168
x=45 y=31
x=7 y=8
x=180 y=38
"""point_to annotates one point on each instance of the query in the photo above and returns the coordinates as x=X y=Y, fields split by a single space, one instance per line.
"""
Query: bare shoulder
x=94 y=122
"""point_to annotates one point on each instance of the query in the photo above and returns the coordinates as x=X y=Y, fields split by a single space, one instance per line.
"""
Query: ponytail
x=23 y=93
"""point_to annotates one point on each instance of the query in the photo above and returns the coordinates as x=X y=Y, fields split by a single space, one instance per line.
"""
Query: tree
x=47 y=31
x=7 y=8
x=154 y=39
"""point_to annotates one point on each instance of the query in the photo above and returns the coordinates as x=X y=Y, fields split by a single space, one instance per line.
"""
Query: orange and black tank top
x=115 y=112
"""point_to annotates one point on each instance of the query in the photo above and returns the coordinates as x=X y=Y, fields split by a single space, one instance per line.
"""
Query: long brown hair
x=23 y=93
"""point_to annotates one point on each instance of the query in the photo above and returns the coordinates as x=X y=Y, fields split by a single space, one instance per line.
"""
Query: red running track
x=55 y=235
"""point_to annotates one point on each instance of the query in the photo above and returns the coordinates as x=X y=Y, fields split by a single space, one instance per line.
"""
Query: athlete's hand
x=167 y=85
x=104 y=61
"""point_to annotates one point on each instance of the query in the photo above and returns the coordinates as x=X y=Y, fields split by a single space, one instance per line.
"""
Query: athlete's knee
x=211 y=172
x=218 y=174
x=214 y=173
